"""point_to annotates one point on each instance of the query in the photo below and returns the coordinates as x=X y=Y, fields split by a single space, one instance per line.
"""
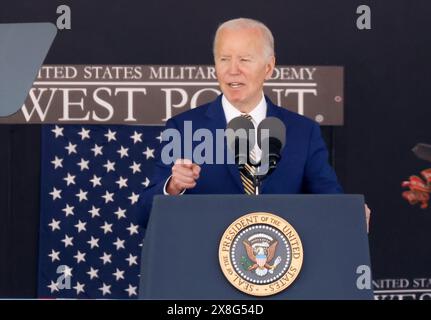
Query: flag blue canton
x=92 y=178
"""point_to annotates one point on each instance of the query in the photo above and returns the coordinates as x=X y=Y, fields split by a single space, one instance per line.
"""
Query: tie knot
x=247 y=116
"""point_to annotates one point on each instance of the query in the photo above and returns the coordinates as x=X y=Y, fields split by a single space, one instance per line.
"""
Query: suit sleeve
x=157 y=182
x=319 y=175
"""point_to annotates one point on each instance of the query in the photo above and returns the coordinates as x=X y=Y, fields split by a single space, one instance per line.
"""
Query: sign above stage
x=151 y=94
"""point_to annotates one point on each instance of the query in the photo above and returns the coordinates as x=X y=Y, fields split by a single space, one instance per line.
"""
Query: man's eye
x=245 y=60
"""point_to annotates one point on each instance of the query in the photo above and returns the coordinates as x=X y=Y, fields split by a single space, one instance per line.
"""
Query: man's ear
x=269 y=68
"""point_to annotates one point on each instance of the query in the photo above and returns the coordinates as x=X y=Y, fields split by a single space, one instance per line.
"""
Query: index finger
x=186 y=162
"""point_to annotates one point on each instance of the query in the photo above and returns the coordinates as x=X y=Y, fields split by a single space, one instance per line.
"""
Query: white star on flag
x=146 y=183
x=55 y=255
x=97 y=150
x=71 y=148
x=93 y=273
x=110 y=166
x=106 y=258
x=96 y=181
x=55 y=224
x=83 y=164
x=94 y=242
x=119 y=274
x=58 y=131
x=79 y=288
x=132 y=259
x=69 y=179
x=111 y=135
x=133 y=228
x=106 y=289
x=53 y=286
x=160 y=138
x=68 y=210
x=67 y=272
x=131 y=290
x=94 y=212
x=85 y=134
x=68 y=241
x=81 y=226
x=57 y=162
x=136 y=137
x=56 y=194
x=80 y=256
x=123 y=152
x=119 y=244
x=107 y=227
x=122 y=182
x=149 y=153
x=136 y=167
x=109 y=196
x=82 y=195
x=120 y=213
x=134 y=198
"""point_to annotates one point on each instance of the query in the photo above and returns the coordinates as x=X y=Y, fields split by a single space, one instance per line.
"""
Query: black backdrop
x=387 y=72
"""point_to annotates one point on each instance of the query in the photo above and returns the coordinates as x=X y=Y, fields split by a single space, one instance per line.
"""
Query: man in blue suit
x=244 y=59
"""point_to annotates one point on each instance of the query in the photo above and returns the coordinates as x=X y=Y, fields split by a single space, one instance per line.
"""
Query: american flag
x=91 y=181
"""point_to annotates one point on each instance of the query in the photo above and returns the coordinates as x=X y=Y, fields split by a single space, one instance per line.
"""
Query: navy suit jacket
x=303 y=168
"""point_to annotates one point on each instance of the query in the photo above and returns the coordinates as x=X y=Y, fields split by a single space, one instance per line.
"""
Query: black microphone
x=240 y=135
x=271 y=138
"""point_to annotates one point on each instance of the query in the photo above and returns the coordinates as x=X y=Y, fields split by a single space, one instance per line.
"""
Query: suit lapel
x=272 y=111
x=217 y=120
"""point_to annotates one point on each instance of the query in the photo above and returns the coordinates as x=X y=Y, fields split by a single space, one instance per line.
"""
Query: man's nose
x=234 y=67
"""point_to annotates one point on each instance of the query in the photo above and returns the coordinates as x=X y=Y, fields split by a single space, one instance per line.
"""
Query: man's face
x=242 y=66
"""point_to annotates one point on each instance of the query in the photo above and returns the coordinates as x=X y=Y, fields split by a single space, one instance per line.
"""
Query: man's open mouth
x=235 y=85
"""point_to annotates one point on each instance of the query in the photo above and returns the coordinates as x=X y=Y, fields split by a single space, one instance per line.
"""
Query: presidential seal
x=260 y=254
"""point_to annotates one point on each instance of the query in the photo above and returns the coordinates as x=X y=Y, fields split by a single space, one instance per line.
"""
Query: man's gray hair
x=246 y=23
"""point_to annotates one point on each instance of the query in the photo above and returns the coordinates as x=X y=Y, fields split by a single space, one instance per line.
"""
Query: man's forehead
x=243 y=39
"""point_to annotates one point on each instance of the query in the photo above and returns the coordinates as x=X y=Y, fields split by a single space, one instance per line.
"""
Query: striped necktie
x=248 y=172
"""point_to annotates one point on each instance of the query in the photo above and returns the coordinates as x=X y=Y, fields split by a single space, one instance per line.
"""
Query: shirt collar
x=258 y=113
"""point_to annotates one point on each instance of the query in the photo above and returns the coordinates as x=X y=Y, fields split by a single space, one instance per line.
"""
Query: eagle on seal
x=261 y=257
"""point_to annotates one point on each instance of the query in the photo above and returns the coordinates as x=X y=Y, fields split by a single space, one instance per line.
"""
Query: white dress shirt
x=257 y=114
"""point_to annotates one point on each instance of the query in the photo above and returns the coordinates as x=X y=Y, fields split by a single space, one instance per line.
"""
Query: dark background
x=387 y=72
